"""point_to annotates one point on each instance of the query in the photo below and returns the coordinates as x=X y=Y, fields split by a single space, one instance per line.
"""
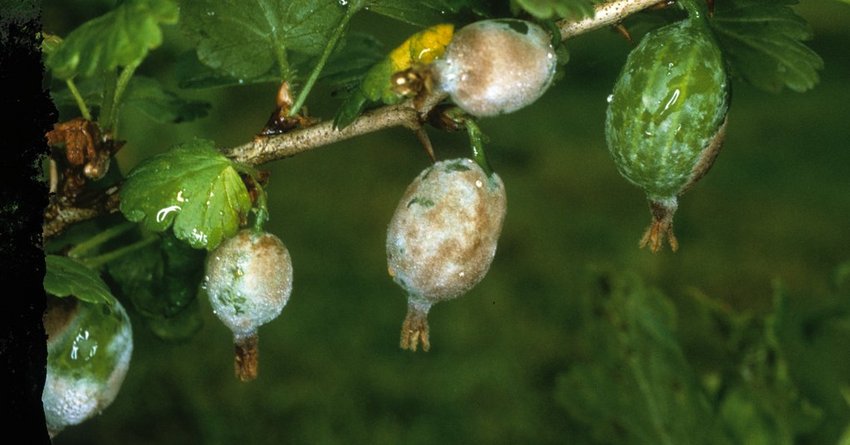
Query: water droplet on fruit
x=610 y=98
x=84 y=346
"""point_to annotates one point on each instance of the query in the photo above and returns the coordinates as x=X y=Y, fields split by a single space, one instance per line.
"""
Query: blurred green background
x=775 y=208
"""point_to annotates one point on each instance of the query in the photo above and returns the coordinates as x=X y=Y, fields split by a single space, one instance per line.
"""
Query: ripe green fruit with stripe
x=666 y=118
x=442 y=238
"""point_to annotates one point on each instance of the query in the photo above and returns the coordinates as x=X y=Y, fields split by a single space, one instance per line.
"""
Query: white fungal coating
x=442 y=239
x=494 y=67
x=89 y=350
x=70 y=400
x=443 y=235
x=248 y=281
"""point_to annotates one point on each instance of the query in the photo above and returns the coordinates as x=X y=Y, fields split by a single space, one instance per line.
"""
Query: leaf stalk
x=331 y=45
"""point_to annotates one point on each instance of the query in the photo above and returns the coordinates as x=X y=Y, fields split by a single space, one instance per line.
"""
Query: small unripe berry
x=667 y=117
x=248 y=281
x=88 y=353
x=442 y=238
x=498 y=66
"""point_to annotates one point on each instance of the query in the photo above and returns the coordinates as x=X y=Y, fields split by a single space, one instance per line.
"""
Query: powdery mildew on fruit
x=248 y=281
x=443 y=235
x=442 y=238
x=494 y=67
x=84 y=380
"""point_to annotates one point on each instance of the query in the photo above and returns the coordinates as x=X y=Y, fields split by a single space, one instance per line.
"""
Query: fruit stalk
x=246 y=357
x=248 y=282
x=442 y=239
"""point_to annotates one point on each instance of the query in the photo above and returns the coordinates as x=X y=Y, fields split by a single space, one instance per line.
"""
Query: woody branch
x=409 y=114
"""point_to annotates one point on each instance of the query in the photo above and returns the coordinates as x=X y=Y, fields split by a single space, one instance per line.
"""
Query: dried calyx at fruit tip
x=442 y=238
x=88 y=354
x=248 y=281
x=497 y=66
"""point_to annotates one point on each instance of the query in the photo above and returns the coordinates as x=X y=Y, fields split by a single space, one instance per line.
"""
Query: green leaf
x=761 y=404
x=415 y=12
x=247 y=39
x=762 y=41
x=636 y=387
x=192 y=73
x=546 y=9
x=192 y=186
x=66 y=276
x=143 y=93
x=355 y=54
x=431 y=12
x=808 y=331
x=352 y=59
x=149 y=97
x=120 y=37
x=161 y=281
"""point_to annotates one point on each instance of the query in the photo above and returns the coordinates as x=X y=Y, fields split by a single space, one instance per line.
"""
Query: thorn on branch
x=623 y=31
x=422 y=135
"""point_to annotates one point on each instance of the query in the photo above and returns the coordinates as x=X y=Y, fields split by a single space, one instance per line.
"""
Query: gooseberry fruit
x=442 y=238
x=493 y=67
x=666 y=118
x=88 y=353
x=248 y=281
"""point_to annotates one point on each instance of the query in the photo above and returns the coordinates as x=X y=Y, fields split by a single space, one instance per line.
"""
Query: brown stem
x=247 y=357
x=409 y=114
x=60 y=213
x=269 y=148
x=608 y=13
x=415 y=327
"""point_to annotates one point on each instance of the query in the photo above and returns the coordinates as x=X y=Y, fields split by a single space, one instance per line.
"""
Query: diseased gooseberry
x=666 y=118
x=88 y=353
x=493 y=67
x=248 y=281
x=442 y=238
